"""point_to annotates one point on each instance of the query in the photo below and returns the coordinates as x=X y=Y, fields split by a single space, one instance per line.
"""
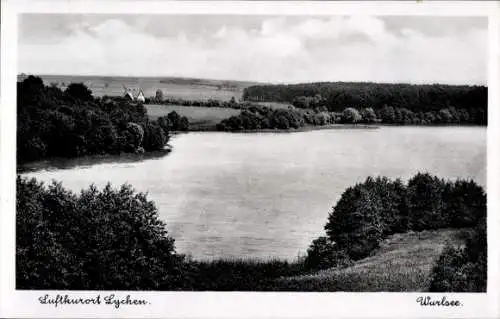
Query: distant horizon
x=237 y=81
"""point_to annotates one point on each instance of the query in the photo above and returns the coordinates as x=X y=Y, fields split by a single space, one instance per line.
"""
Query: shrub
x=154 y=137
x=350 y=115
x=323 y=254
x=463 y=269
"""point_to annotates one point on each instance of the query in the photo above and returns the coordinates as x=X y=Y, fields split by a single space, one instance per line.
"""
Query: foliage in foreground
x=98 y=240
x=463 y=269
x=113 y=239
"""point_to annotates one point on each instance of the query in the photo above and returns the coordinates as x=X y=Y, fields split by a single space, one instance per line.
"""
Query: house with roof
x=129 y=94
x=140 y=97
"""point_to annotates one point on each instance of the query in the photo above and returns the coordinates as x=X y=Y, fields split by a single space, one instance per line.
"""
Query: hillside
x=402 y=263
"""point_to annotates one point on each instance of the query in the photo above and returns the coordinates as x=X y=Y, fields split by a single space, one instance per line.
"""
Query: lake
x=264 y=195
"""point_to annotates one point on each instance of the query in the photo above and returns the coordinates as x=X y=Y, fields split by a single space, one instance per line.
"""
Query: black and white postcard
x=250 y=159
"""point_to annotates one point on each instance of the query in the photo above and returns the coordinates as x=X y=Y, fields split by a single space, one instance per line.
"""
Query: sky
x=276 y=49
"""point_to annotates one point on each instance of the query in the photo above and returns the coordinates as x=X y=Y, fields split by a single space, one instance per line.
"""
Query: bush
x=99 y=240
x=323 y=254
x=463 y=269
x=350 y=115
x=177 y=122
x=154 y=137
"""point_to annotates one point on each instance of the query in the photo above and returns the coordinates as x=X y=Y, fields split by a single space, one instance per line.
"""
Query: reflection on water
x=87 y=161
x=268 y=195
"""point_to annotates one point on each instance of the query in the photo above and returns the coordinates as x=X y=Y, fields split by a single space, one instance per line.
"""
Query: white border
x=238 y=304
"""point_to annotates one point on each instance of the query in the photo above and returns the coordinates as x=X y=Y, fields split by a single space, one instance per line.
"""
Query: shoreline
x=309 y=128
x=54 y=163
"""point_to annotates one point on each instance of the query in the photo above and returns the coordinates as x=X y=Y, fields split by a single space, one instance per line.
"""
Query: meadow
x=403 y=263
x=200 y=118
x=173 y=87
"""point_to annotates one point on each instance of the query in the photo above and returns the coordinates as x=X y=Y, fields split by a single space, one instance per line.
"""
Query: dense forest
x=419 y=104
x=70 y=123
x=113 y=239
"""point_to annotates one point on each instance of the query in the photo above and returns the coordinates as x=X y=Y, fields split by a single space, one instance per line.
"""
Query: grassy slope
x=200 y=118
x=403 y=263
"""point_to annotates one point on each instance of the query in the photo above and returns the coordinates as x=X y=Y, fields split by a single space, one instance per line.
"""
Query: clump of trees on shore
x=263 y=117
x=71 y=123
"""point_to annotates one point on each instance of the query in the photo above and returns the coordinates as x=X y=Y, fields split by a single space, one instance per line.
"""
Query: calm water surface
x=268 y=195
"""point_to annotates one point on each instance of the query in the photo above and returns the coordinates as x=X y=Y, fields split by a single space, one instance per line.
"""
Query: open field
x=200 y=118
x=403 y=263
x=184 y=88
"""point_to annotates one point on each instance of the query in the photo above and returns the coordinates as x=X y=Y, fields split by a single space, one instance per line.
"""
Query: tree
x=387 y=114
x=445 y=116
x=165 y=124
x=159 y=95
x=368 y=115
x=154 y=137
x=350 y=115
x=355 y=224
x=174 y=119
x=135 y=135
x=465 y=203
x=426 y=204
x=79 y=91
